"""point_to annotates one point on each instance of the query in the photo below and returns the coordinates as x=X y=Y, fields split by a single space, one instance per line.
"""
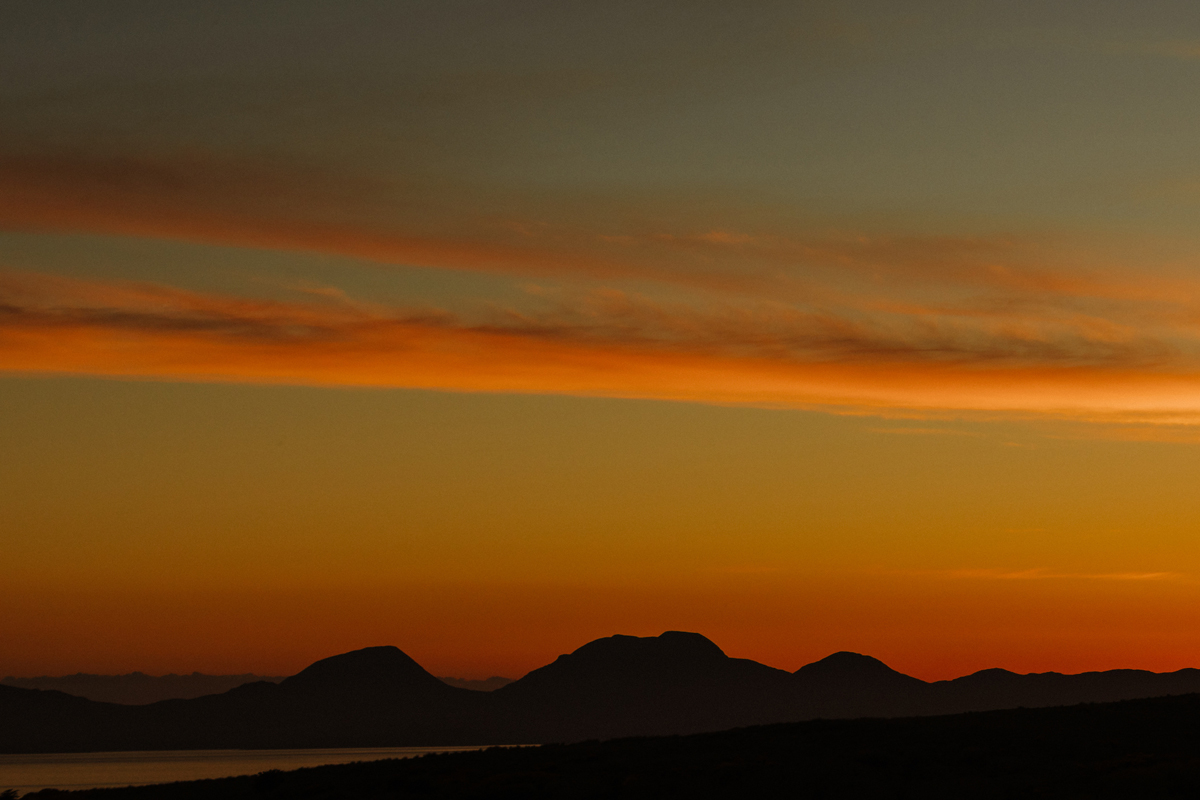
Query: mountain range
x=676 y=683
x=138 y=688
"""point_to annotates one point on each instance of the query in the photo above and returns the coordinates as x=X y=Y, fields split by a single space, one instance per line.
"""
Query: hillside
x=1141 y=748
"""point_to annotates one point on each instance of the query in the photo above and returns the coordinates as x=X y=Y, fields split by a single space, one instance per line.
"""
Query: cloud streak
x=837 y=320
x=1040 y=574
x=199 y=197
x=196 y=197
x=599 y=344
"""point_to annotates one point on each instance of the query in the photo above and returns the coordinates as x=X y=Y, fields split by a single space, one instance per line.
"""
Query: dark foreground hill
x=1138 y=748
x=676 y=683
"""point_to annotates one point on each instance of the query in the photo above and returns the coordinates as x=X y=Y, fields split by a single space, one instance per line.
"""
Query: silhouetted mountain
x=855 y=668
x=137 y=688
x=618 y=686
x=853 y=685
x=372 y=697
x=486 y=685
x=371 y=670
x=626 y=685
x=378 y=696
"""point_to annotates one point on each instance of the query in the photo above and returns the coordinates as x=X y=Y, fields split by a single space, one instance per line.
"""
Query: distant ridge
x=676 y=683
x=486 y=685
x=137 y=688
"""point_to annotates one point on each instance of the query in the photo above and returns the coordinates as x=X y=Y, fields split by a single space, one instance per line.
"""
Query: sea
x=28 y=773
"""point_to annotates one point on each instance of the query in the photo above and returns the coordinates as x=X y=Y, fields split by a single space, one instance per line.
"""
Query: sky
x=485 y=329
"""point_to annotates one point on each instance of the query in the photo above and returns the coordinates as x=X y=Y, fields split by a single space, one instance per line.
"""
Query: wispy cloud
x=598 y=343
x=861 y=323
x=1039 y=574
x=1042 y=574
x=197 y=196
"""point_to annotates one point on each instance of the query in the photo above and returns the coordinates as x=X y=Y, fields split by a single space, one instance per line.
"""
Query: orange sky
x=805 y=326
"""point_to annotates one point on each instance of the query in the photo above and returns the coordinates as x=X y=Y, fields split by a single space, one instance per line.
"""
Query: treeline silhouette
x=1140 y=748
x=620 y=686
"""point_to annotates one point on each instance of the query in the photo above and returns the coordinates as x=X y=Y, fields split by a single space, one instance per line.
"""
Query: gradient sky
x=488 y=328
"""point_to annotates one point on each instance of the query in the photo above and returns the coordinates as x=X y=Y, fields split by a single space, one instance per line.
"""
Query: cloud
x=1045 y=574
x=598 y=344
x=200 y=197
x=197 y=197
x=721 y=313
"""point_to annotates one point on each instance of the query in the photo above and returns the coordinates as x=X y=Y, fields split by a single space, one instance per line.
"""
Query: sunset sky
x=488 y=328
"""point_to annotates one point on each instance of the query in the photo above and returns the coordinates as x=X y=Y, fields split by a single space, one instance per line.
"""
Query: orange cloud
x=847 y=321
x=621 y=347
x=1040 y=573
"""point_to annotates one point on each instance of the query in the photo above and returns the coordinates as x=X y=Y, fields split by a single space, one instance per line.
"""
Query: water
x=28 y=773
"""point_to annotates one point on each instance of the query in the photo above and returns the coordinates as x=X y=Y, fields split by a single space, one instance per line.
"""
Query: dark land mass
x=621 y=686
x=1137 y=748
x=138 y=688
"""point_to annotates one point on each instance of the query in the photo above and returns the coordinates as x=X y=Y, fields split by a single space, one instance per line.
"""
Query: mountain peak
x=368 y=668
x=617 y=660
x=694 y=642
x=847 y=665
x=672 y=644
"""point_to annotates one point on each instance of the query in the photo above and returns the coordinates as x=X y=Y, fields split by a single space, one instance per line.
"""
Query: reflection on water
x=27 y=773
